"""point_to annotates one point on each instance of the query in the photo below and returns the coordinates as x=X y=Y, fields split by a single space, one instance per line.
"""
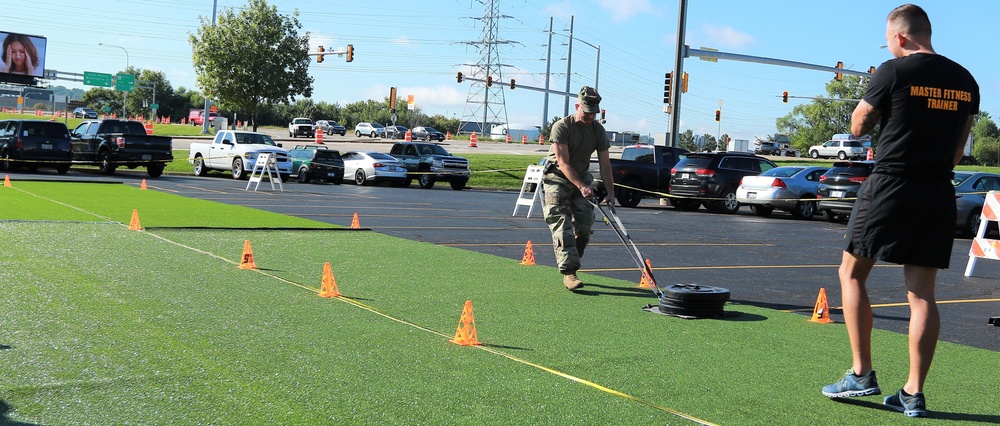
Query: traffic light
x=489 y=81
x=512 y=84
x=840 y=75
x=784 y=96
x=459 y=77
x=392 y=99
x=718 y=115
x=319 y=58
x=684 y=83
x=666 y=87
x=350 y=52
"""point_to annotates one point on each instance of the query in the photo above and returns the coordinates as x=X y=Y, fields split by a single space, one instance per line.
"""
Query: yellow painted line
x=696 y=268
x=902 y=304
x=592 y=244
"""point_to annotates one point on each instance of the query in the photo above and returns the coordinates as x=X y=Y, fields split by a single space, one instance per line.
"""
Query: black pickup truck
x=644 y=168
x=110 y=144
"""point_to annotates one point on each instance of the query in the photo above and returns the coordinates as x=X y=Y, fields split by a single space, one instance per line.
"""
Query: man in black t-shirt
x=905 y=212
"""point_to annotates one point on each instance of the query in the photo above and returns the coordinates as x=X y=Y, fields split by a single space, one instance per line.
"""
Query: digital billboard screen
x=23 y=54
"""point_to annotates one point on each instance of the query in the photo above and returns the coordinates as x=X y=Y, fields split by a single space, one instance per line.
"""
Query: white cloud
x=726 y=36
x=622 y=10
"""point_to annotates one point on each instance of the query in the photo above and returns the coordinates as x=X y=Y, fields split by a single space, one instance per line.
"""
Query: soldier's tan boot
x=572 y=282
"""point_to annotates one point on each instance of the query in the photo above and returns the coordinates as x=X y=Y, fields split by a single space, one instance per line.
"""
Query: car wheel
x=832 y=217
x=458 y=185
x=972 y=224
x=155 y=170
x=4 y=161
x=426 y=181
x=372 y=135
x=238 y=171
x=628 y=197
x=360 y=178
x=814 y=154
x=728 y=204
x=199 y=166
x=62 y=169
x=104 y=164
x=762 y=211
x=842 y=155
x=804 y=209
x=405 y=183
x=303 y=175
x=291 y=135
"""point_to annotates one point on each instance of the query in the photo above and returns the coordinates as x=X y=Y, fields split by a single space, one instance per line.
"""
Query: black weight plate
x=696 y=292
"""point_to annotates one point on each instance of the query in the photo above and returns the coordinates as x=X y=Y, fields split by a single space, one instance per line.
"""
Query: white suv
x=371 y=130
x=840 y=148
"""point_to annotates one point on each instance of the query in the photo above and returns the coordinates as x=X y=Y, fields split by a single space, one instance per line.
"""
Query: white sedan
x=368 y=167
x=791 y=188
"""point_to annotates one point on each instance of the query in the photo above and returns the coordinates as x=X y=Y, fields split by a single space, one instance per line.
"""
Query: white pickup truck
x=236 y=151
x=301 y=126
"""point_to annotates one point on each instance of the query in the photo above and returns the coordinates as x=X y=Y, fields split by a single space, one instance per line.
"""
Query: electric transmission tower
x=485 y=105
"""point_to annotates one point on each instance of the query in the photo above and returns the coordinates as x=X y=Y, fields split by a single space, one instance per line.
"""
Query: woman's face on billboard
x=17 y=54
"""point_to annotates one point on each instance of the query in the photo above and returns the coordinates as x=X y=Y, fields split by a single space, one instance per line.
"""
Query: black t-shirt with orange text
x=925 y=100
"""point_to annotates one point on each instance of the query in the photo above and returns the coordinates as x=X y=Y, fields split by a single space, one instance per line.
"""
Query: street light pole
x=125 y=92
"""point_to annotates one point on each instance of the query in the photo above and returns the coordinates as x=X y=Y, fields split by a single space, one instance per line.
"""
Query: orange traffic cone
x=524 y=139
x=6 y=180
x=646 y=281
x=447 y=136
x=247 y=261
x=143 y=186
x=134 y=224
x=329 y=286
x=821 y=313
x=529 y=255
x=354 y=222
x=541 y=140
x=465 y=334
x=508 y=138
x=472 y=140
x=871 y=154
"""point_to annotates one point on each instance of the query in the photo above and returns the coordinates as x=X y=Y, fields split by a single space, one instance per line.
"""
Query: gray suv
x=372 y=130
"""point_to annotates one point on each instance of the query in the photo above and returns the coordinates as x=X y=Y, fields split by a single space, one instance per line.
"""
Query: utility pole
x=569 y=67
x=548 y=69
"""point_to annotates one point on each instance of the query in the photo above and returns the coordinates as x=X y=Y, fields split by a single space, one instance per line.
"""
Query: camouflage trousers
x=570 y=218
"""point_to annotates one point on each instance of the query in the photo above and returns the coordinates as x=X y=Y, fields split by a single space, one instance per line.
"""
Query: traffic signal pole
x=675 y=95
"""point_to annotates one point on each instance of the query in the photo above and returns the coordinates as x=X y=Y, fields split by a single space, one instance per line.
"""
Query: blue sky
x=419 y=46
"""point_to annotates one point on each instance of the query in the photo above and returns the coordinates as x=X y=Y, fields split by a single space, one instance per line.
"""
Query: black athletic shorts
x=904 y=220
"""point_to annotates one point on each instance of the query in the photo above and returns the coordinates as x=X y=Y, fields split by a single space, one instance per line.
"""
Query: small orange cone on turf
x=646 y=281
x=247 y=261
x=821 y=313
x=134 y=224
x=6 y=180
x=529 y=255
x=329 y=286
x=143 y=186
x=355 y=224
x=465 y=334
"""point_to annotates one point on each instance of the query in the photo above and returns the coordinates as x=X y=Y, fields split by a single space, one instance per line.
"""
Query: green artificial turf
x=102 y=325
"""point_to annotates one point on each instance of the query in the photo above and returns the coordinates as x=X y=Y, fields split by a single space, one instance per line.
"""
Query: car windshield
x=302 y=121
x=381 y=156
x=782 y=171
x=334 y=123
x=429 y=129
x=959 y=178
x=254 y=138
x=433 y=149
x=327 y=154
x=46 y=129
x=378 y=126
x=693 y=162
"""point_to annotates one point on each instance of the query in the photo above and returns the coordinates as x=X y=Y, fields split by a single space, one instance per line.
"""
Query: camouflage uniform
x=570 y=216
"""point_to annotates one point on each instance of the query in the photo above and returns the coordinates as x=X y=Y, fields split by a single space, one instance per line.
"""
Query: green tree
x=144 y=94
x=711 y=144
x=687 y=141
x=815 y=122
x=253 y=57
x=100 y=97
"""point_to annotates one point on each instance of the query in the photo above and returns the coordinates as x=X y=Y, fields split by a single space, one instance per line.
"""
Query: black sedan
x=427 y=134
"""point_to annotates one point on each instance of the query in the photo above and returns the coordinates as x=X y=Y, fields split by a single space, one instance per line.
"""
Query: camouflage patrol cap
x=589 y=100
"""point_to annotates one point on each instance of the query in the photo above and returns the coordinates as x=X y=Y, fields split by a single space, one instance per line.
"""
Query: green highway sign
x=96 y=79
x=154 y=106
x=124 y=82
x=107 y=109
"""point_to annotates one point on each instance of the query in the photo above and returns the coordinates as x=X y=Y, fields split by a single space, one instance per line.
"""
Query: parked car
x=789 y=188
x=970 y=195
x=317 y=163
x=396 y=132
x=301 y=126
x=109 y=144
x=429 y=163
x=642 y=171
x=33 y=144
x=838 y=188
x=84 y=113
x=426 y=134
x=369 y=167
x=711 y=178
x=331 y=127
x=372 y=130
x=237 y=152
x=196 y=117
x=840 y=148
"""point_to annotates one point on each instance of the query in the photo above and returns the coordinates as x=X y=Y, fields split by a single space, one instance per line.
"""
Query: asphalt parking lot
x=776 y=262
